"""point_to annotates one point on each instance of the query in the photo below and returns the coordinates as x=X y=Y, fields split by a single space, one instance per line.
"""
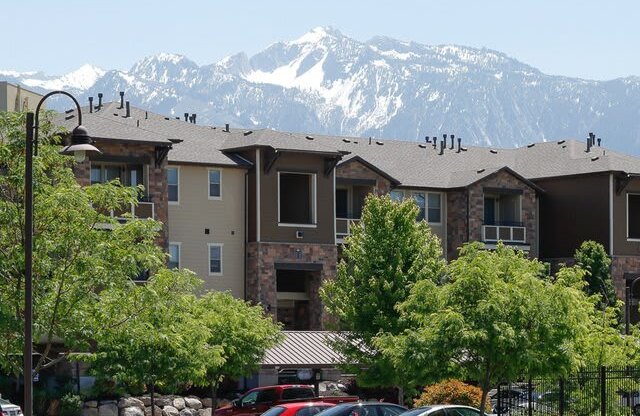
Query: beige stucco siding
x=224 y=218
x=14 y=98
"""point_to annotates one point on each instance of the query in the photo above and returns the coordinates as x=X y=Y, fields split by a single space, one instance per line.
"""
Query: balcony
x=343 y=228
x=143 y=210
x=508 y=233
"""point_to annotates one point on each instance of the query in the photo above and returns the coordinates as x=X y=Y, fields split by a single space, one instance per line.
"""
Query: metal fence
x=590 y=392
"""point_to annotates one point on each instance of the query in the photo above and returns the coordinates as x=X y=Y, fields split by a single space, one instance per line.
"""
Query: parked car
x=9 y=409
x=364 y=409
x=443 y=410
x=259 y=400
x=298 y=409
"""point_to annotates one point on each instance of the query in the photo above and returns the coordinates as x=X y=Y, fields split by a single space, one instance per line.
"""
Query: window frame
x=177 y=201
x=397 y=191
x=314 y=201
x=221 y=246
x=179 y=246
x=214 y=198
x=440 y=195
x=629 y=238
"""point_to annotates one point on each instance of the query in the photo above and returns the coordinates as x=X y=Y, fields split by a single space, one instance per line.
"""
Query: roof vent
x=167 y=118
x=422 y=145
x=128 y=113
x=146 y=115
x=435 y=142
x=355 y=142
x=379 y=143
x=427 y=139
x=308 y=137
x=480 y=170
x=346 y=140
x=137 y=123
x=248 y=132
x=193 y=117
x=593 y=159
x=121 y=99
x=443 y=144
x=452 y=140
x=561 y=141
x=186 y=116
x=91 y=104
x=599 y=141
x=459 y=144
x=369 y=139
x=99 y=100
x=226 y=127
x=530 y=145
x=494 y=151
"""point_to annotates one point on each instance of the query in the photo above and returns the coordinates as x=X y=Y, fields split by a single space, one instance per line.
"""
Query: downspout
x=467 y=204
x=246 y=228
x=611 y=184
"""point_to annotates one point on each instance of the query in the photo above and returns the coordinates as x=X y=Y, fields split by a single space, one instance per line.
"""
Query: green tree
x=237 y=337
x=75 y=259
x=157 y=345
x=593 y=258
x=495 y=319
x=387 y=253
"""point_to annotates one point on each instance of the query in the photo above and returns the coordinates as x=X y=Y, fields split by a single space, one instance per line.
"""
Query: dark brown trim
x=309 y=267
x=155 y=143
x=216 y=165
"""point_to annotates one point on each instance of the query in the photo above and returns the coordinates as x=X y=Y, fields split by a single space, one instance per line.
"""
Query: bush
x=70 y=405
x=450 y=392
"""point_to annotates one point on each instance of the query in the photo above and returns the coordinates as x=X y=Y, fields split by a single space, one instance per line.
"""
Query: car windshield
x=274 y=411
x=416 y=412
x=311 y=410
x=340 y=410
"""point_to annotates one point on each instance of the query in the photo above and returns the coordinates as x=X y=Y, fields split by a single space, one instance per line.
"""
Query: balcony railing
x=508 y=233
x=343 y=227
x=144 y=209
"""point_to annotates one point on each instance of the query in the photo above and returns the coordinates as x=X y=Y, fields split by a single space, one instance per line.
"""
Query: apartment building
x=262 y=213
x=16 y=98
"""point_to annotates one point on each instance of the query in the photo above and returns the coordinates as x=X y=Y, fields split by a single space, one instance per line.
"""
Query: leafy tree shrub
x=70 y=405
x=593 y=258
x=450 y=392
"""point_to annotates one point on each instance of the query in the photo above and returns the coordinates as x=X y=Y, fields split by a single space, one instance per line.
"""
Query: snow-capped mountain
x=326 y=82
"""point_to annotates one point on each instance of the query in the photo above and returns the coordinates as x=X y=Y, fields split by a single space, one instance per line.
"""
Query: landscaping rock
x=146 y=400
x=132 y=411
x=162 y=401
x=90 y=411
x=108 y=409
x=91 y=403
x=179 y=403
x=188 y=412
x=156 y=412
x=204 y=412
x=193 y=403
x=170 y=411
x=206 y=402
x=130 y=402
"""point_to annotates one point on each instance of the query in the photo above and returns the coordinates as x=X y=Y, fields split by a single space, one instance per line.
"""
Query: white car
x=443 y=410
x=9 y=409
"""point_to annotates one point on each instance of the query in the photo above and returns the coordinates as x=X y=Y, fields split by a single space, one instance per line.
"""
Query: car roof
x=370 y=404
x=305 y=404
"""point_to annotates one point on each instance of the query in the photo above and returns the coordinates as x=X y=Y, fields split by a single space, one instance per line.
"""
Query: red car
x=298 y=409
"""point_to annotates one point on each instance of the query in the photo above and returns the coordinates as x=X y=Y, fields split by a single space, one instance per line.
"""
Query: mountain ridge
x=326 y=82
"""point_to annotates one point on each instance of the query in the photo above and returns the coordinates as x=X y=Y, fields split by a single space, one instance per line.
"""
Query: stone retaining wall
x=141 y=406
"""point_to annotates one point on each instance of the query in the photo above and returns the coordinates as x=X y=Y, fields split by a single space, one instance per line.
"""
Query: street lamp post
x=80 y=144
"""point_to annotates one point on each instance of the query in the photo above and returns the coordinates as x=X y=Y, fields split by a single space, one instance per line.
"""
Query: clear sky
x=587 y=38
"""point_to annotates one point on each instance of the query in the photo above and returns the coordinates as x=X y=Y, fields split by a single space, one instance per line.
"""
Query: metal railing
x=143 y=209
x=343 y=227
x=505 y=233
x=590 y=392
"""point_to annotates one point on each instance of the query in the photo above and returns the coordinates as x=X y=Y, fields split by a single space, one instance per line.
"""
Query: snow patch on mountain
x=80 y=79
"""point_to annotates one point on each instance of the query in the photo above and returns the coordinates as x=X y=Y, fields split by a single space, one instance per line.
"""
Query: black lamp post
x=79 y=145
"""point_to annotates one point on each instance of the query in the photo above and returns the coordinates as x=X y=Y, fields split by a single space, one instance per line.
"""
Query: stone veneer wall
x=157 y=185
x=261 y=273
x=356 y=170
x=621 y=265
x=456 y=222
x=141 y=406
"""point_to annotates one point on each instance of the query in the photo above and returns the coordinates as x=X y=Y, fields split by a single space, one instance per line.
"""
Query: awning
x=305 y=349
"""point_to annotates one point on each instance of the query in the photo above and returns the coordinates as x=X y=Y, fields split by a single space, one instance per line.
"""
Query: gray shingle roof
x=282 y=141
x=304 y=349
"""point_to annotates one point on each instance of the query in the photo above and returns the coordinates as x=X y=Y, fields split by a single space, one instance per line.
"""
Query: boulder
x=170 y=411
x=132 y=411
x=204 y=412
x=130 y=402
x=90 y=411
x=188 y=412
x=108 y=409
x=179 y=403
x=162 y=401
x=91 y=403
x=146 y=400
x=157 y=411
x=193 y=403
x=207 y=402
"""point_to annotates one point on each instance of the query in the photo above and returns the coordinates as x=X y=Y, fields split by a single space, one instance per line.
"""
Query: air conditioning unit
x=299 y=234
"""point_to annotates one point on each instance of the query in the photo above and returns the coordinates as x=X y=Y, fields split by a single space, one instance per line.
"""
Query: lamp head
x=80 y=144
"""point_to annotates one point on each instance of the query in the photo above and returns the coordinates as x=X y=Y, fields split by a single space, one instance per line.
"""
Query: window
x=297 y=393
x=434 y=210
x=266 y=396
x=174 y=256
x=420 y=202
x=215 y=182
x=128 y=175
x=297 y=199
x=274 y=411
x=215 y=259
x=173 y=183
x=390 y=410
x=397 y=196
x=462 y=411
x=633 y=216
x=249 y=399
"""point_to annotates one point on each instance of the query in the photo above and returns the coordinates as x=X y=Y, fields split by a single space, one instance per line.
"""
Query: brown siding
x=621 y=246
x=572 y=210
x=270 y=231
